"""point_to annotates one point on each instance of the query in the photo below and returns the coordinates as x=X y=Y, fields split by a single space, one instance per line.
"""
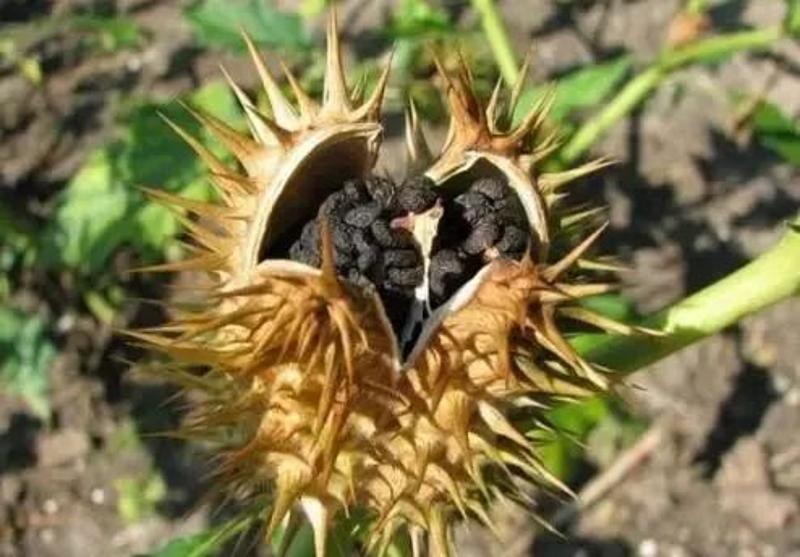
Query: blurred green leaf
x=101 y=209
x=139 y=497
x=602 y=423
x=579 y=89
x=113 y=33
x=562 y=452
x=26 y=354
x=777 y=131
x=220 y=22
x=417 y=18
x=313 y=8
x=204 y=543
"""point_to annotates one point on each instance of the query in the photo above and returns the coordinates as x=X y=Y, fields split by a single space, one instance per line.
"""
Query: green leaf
x=579 y=89
x=101 y=208
x=113 y=33
x=138 y=498
x=562 y=452
x=26 y=354
x=203 y=544
x=777 y=131
x=418 y=19
x=220 y=22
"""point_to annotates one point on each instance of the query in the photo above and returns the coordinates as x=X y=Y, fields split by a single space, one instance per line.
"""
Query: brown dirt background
x=688 y=204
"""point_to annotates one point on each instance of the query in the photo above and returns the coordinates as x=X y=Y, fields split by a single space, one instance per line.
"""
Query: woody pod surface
x=374 y=346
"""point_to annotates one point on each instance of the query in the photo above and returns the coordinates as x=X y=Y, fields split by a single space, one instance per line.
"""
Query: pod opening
x=414 y=242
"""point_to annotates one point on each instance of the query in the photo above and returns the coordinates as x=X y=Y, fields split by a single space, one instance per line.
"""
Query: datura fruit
x=385 y=346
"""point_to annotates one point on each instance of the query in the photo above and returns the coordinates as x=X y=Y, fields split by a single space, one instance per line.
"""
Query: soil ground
x=688 y=204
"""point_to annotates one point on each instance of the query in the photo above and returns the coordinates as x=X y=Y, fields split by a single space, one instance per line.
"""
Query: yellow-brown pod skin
x=306 y=393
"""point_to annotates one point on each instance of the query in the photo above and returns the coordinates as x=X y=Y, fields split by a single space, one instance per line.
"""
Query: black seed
x=334 y=204
x=355 y=191
x=415 y=199
x=490 y=187
x=389 y=237
x=363 y=215
x=342 y=236
x=408 y=278
x=510 y=211
x=401 y=258
x=514 y=240
x=473 y=205
x=446 y=270
x=342 y=260
x=483 y=236
x=309 y=238
x=363 y=240
x=367 y=258
x=382 y=191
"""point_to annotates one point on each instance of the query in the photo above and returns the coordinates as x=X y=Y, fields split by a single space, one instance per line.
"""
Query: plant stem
x=497 y=35
x=772 y=277
x=640 y=86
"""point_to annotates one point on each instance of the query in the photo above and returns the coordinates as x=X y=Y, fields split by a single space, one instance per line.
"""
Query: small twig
x=602 y=484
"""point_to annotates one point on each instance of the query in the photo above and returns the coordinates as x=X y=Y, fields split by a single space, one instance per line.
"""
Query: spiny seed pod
x=372 y=345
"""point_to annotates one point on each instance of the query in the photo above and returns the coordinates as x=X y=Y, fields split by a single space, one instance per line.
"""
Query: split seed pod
x=319 y=401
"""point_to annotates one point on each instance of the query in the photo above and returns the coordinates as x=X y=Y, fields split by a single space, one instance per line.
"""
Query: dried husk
x=306 y=392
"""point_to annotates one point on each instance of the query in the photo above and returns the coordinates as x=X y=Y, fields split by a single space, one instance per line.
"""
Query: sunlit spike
x=542 y=150
x=284 y=112
x=197 y=207
x=519 y=85
x=604 y=265
x=209 y=158
x=209 y=262
x=228 y=187
x=308 y=106
x=357 y=91
x=551 y=182
x=419 y=153
x=283 y=136
x=286 y=492
x=552 y=272
x=438 y=533
x=335 y=95
x=492 y=117
x=479 y=510
x=319 y=517
x=371 y=109
x=417 y=536
x=326 y=251
x=234 y=183
x=257 y=128
x=577 y=291
x=241 y=146
x=498 y=423
x=533 y=119
x=601 y=322
x=460 y=99
x=581 y=218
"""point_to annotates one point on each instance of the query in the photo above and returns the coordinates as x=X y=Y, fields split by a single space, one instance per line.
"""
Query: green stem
x=772 y=277
x=640 y=86
x=497 y=35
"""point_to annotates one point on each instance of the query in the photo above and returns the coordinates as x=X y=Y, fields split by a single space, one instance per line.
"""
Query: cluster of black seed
x=367 y=248
x=484 y=222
